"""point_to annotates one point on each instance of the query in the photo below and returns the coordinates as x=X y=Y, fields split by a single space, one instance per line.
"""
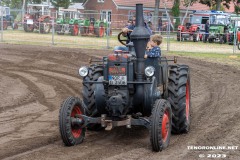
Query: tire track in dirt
x=50 y=86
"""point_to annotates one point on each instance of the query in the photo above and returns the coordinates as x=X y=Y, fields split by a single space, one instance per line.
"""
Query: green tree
x=176 y=12
x=61 y=3
x=216 y=3
x=236 y=6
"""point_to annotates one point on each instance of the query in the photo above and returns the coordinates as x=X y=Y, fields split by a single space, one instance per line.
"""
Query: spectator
x=207 y=25
x=129 y=23
x=127 y=32
x=160 y=24
x=153 y=49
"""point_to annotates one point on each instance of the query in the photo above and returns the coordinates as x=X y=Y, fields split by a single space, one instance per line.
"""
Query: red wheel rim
x=187 y=100
x=75 y=29
x=101 y=31
x=165 y=125
x=76 y=132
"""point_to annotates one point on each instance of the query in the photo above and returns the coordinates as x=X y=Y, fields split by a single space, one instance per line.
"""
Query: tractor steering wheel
x=123 y=39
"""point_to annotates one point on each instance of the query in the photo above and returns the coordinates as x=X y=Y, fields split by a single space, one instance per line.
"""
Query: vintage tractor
x=190 y=32
x=92 y=27
x=124 y=89
x=68 y=21
x=67 y=26
x=218 y=29
x=36 y=22
x=196 y=28
x=7 y=18
x=234 y=30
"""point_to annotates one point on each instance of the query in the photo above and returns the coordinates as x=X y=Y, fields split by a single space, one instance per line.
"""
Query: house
x=119 y=11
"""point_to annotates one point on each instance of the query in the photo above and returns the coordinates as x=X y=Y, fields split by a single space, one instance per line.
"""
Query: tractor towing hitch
x=107 y=122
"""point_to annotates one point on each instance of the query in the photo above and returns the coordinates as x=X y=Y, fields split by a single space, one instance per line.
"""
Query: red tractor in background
x=32 y=22
x=37 y=18
x=190 y=32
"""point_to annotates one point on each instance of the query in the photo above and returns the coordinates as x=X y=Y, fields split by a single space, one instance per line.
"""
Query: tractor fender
x=194 y=28
x=100 y=97
x=151 y=94
x=181 y=28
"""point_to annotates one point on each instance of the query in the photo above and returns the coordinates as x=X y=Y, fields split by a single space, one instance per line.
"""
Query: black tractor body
x=124 y=89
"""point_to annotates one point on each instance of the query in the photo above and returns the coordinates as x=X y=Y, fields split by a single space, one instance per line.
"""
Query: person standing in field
x=207 y=25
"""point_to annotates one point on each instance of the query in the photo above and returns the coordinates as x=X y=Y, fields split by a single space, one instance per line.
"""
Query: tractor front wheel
x=71 y=133
x=160 y=125
x=196 y=37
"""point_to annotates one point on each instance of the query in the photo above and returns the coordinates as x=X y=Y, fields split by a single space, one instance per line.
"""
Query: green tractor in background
x=94 y=28
x=68 y=22
x=219 y=24
x=234 y=29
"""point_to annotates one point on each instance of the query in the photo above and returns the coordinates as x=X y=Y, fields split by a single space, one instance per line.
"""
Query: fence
x=88 y=32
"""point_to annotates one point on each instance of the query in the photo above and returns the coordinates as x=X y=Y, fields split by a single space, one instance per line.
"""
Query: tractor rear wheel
x=45 y=28
x=28 y=27
x=178 y=36
x=72 y=134
x=221 y=40
x=238 y=45
x=196 y=37
x=179 y=98
x=88 y=94
x=5 y=25
x=160 y=125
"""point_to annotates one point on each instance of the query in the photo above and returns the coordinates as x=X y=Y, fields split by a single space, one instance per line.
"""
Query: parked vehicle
x=37 y=19
x=7 y=18
x=188 y=32
x=93 y=27
x=218 y=30
x=195 y=29
x=124 y=89
x=68 y=22
x=32 y=22
x=234 y=30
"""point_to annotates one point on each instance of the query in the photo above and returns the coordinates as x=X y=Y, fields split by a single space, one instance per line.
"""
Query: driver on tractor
x=126 y=32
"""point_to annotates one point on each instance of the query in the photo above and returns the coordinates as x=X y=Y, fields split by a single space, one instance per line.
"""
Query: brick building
x=119 y=11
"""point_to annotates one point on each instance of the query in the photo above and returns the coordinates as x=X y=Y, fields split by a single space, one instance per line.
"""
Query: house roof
x=151 y=4
x=76 y=6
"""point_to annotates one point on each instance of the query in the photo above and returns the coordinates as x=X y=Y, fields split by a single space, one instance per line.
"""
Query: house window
x=106 y=16
x=164 y=17
x=100 y=1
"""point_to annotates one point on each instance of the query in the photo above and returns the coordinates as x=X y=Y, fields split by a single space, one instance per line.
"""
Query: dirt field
x=35 y=80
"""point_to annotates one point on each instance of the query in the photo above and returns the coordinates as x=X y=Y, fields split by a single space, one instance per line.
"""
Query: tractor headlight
x=83 y=71
x=149 y=71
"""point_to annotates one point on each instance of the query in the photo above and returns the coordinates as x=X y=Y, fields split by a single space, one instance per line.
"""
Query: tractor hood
x=216 y=29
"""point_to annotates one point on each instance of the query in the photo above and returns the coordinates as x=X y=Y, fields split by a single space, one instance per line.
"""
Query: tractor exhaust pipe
x=140 y=37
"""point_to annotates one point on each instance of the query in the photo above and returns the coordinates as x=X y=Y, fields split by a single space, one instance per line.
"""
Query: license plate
x=117 y=80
